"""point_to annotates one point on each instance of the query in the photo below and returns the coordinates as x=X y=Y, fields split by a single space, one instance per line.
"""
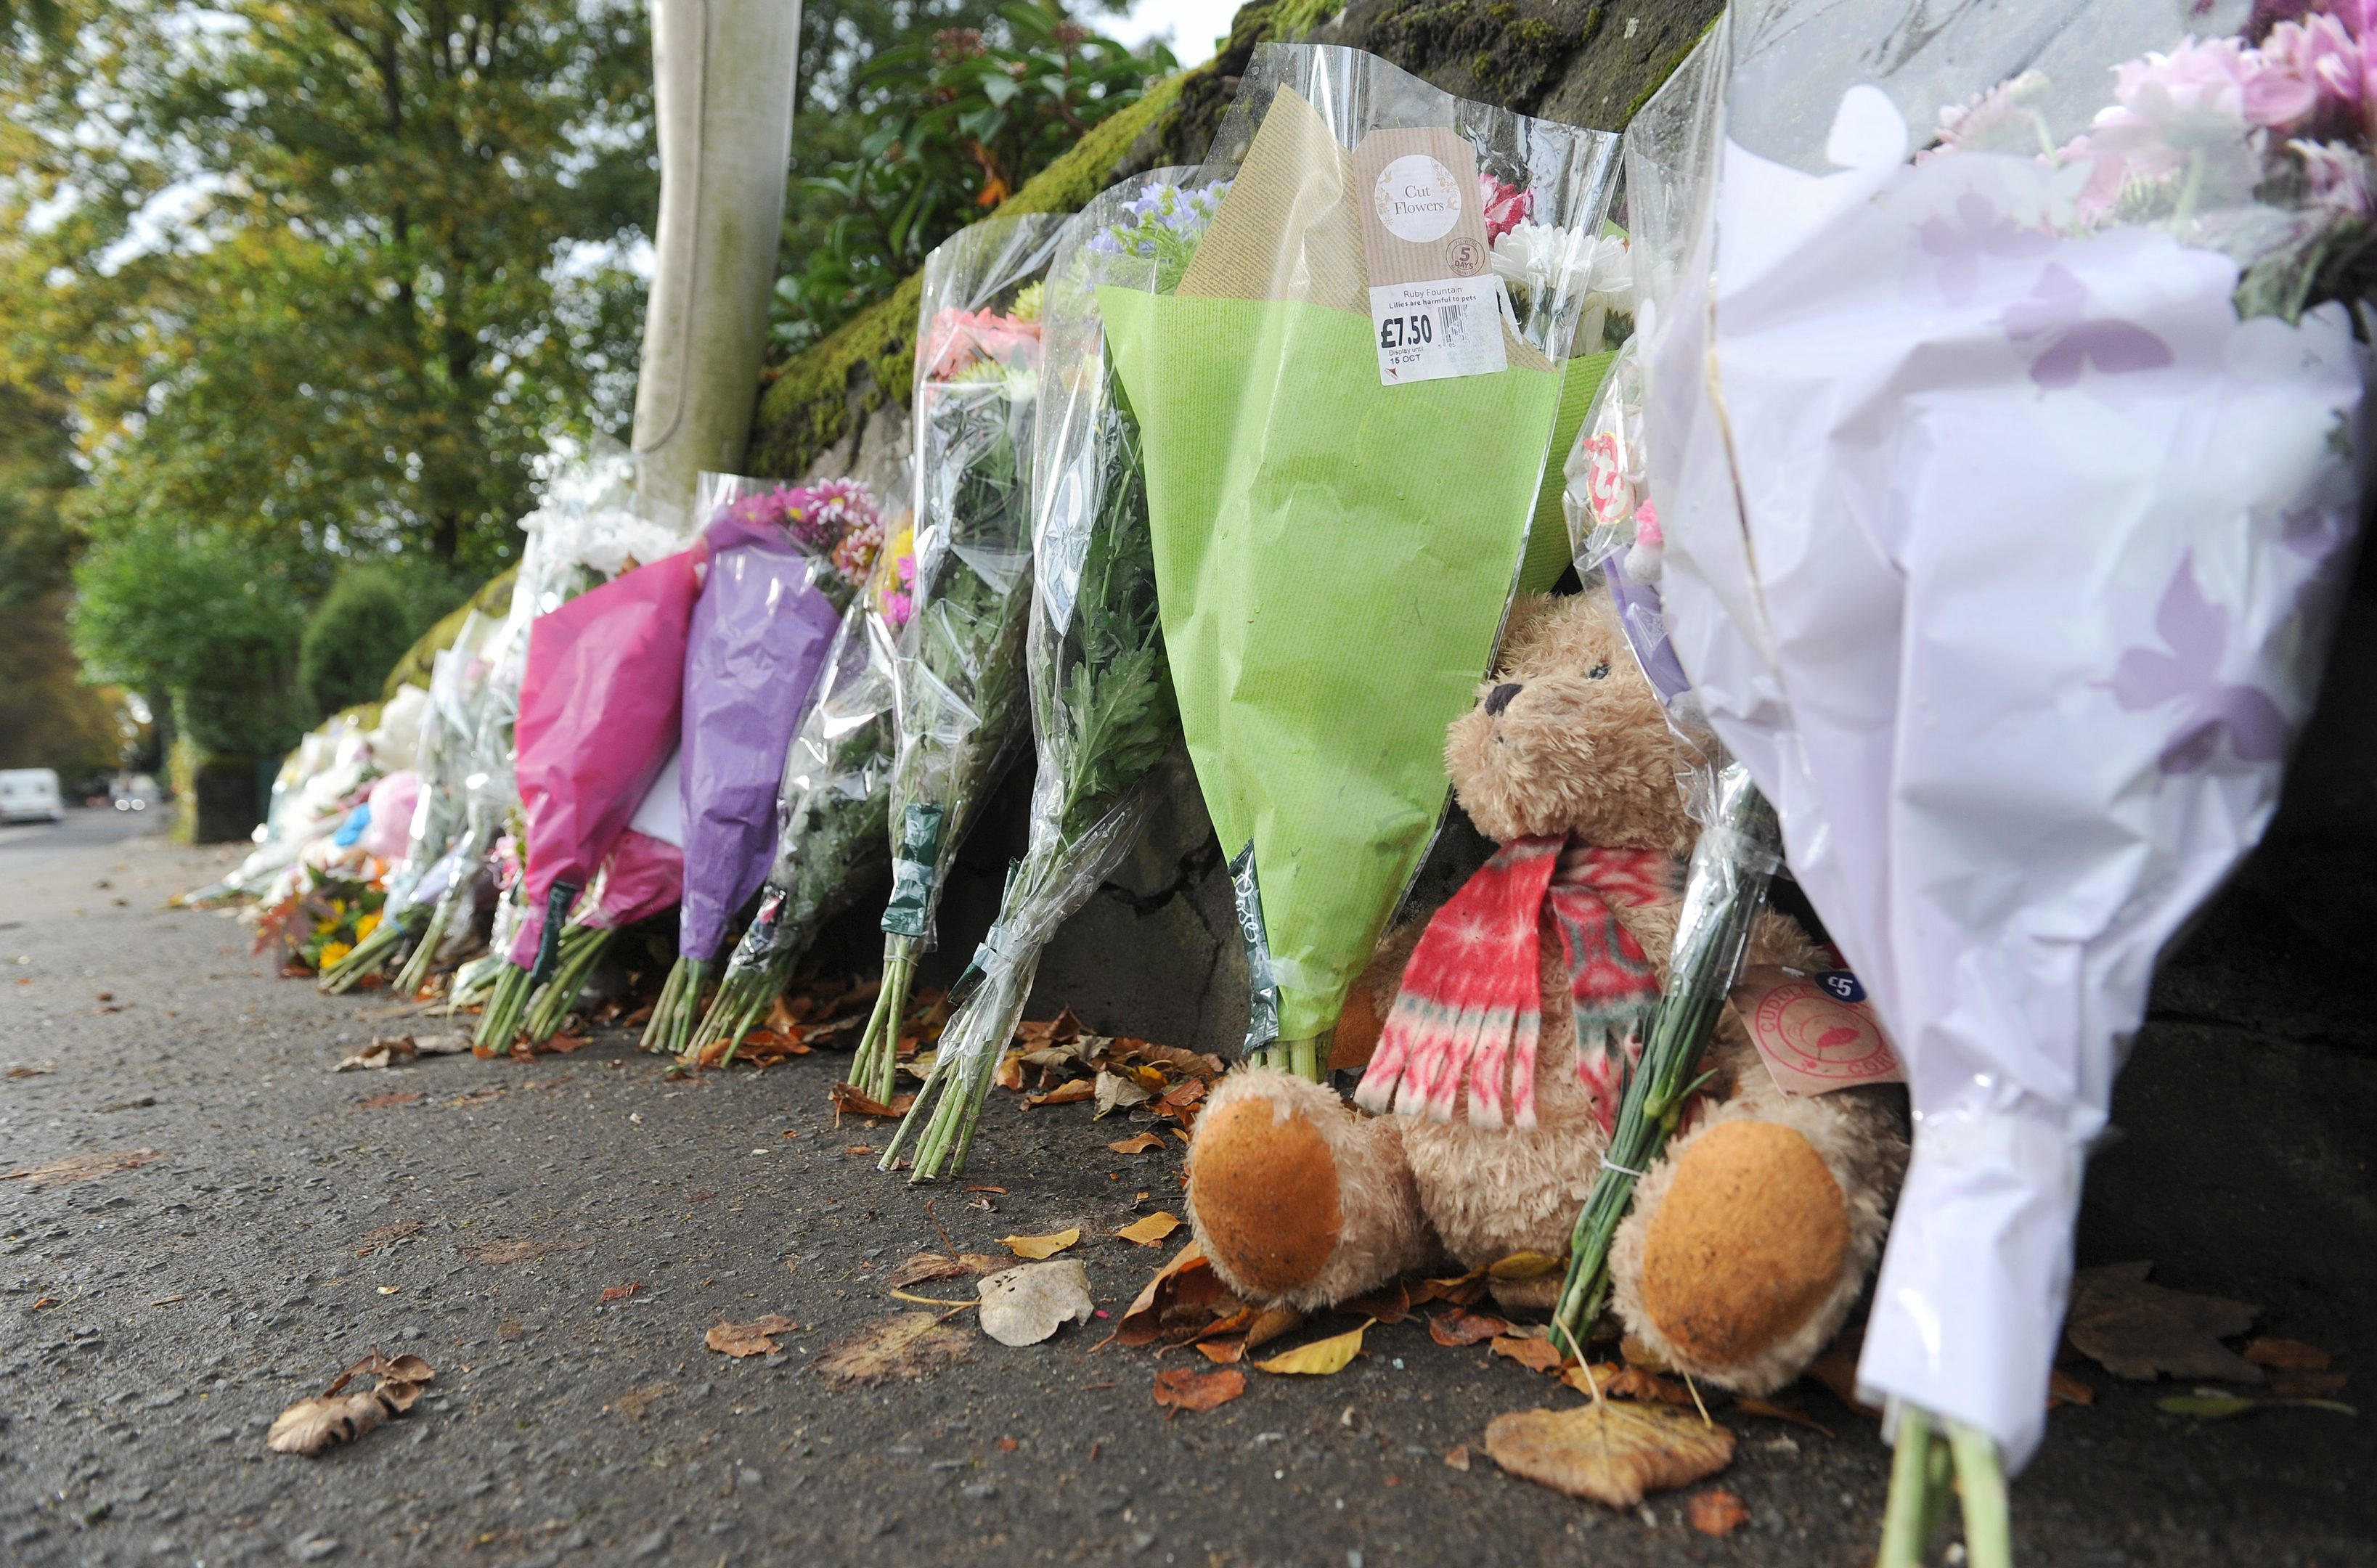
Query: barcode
x=1447 y=324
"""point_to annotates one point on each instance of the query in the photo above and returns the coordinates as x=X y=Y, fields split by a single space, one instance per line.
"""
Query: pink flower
x=2300 y=68
x=2339 y=177
x=1506 y=206
x=961 y=338
x=2000 y=120
x=2170 y=111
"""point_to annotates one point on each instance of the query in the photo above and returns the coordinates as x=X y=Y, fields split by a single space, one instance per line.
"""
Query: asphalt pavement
x=269 y=1221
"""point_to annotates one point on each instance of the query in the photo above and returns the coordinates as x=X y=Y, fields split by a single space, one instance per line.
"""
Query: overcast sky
x=1192 y=25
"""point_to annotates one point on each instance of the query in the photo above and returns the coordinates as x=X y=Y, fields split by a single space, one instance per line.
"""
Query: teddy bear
x=1754 y=1232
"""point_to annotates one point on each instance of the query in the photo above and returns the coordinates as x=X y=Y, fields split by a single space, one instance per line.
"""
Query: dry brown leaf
x=1038 y=1247
x=1320 y=1358
x=2308 y=1385
x=1183 y=1388
x=1526 y=1266
x=1222 y=1352
x=2288 y=1355
x=1391 y=1303
x=1270 y=1322
x=312 y=1425
x=1635 y=1353
x=2063 y=1388
x=848 y=1098
x=906 y=1346
x=1457 y=1327
x=739 y=1340
x=1140 y=1144
x=83 y=1167
x=1184 y=1288
x=1634 y=1383
x=1537 y=1355
x=1716 y=1511
x=1461 y=1290
x=519 y=1250
x=1064 y=1093
x=1150 y=1231
x=926 y=1266
x=1611 y=1451
x=2141 y=1331
x=636 y=1401
x=1751 y=1406
x=1457 y=1457
x=1026 y=1304
x=1114 y=1091
x=621 y=1292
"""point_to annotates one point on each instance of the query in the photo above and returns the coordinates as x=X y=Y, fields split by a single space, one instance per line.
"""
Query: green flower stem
x=679 y=1009
x=742 y=1000
x=949 y=1105
x=874 y=1070
x=1980 y=1480
x=415 y=972
x=1919 y=1481
x=1731 y=867
x=505 y=1006
x=371 y=953
x=582 y=948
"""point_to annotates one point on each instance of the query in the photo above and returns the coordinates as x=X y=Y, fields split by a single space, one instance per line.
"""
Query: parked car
x=135 y=792
x=30 y=795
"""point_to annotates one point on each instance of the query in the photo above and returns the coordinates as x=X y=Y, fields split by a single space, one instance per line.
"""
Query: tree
x=48 y=718
x=325 y=279
x=366 y=621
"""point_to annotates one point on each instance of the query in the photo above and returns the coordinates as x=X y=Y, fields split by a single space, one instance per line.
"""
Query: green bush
x=960 y=124
x=201 y=619
x=364 y=626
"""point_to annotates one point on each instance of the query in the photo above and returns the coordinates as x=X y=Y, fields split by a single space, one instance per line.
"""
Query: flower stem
x=501 y=1021
x=1918 y=1477
x=679 y=1009
x=743 y=997
x=415 y=972
x=875 y=1069
x=1980 y=1480
x=581 y=948
x=367 y=956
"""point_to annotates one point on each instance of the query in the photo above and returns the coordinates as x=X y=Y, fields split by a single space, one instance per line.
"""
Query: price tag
x=1815 y=1032
x=1435 y=308
x=1427 y=331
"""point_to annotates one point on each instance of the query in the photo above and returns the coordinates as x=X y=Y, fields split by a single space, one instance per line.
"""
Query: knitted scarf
x=1470 y=1008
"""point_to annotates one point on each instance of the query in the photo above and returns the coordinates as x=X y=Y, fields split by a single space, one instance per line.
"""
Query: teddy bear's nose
x=1499 y=697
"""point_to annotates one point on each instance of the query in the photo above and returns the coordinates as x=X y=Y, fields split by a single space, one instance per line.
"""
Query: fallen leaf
x=1635 y=1353
x=1457 y=1457
x=1390 y=1303
x=1634 y=1383
x=1461 y=1290
x=386 y=1236
x=1535 y=1354
x=519 y=1250
x=1026 y=1304
x=562 y=1045
x=32 y=1069
x=1184 y=1287
x=1716 y=1511
x=859 y=1149
x=83 y=1167
x=926 y=1266
x=636 y=1401
x=1270 y=1322
x=1836 y=1370
x=849 y=1098
x=908 y=1345
x=391 y=1100
x=2206 y=1404
x=2308 y=1385
x=1143 y=1143
x=2288 y=1355
x=1526 y=1266
x=1038 y=1247
x=1185 y=1388
x=1458 y=1327
x=1064 y=1093
x=1150 y=1231
x=621 y=1292
x=739 y=1340
x=1320 y=1358
x=1611 y=1451
x=2140 y=1331
x=1222 y=1352
x=2063 y=1388
x=1773 y=1411
x=311 y=1425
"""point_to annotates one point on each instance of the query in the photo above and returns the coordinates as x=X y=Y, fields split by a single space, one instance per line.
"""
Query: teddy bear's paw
x=1264 y=1186
x=1749 y=1241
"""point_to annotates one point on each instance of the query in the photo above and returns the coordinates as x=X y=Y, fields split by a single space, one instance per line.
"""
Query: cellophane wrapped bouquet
x=1346 y=396
x=955 y=630
x=642 y=876
x=2005 y=415
x=786 y=562
x=832 y=807
x=1102 y=706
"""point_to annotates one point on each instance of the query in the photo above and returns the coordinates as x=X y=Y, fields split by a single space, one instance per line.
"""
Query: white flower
x=1550 y=262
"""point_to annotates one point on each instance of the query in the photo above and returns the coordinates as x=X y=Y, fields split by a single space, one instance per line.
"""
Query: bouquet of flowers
x=2008 y=473
x=1102 y=707
x=643 y=875
x=956 y=628
x=786 y=563
x=830 y=811
x=1347 y=398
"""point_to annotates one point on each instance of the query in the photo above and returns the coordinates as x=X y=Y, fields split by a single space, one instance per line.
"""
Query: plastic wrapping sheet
x=1102 y=715
x=786 y=562
x=2008 y=473
x=1347 y=395
x=953 y=625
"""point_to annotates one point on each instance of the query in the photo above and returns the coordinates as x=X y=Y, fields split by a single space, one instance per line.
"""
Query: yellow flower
x=332 y=952
x=364 y=927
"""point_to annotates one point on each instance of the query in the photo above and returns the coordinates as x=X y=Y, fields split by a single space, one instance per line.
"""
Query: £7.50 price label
x=1430 y=332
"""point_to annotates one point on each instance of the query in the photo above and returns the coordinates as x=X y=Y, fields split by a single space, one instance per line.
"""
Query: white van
x=30 y=795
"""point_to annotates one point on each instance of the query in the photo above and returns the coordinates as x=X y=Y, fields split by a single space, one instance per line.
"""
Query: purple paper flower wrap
x=759 y=637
